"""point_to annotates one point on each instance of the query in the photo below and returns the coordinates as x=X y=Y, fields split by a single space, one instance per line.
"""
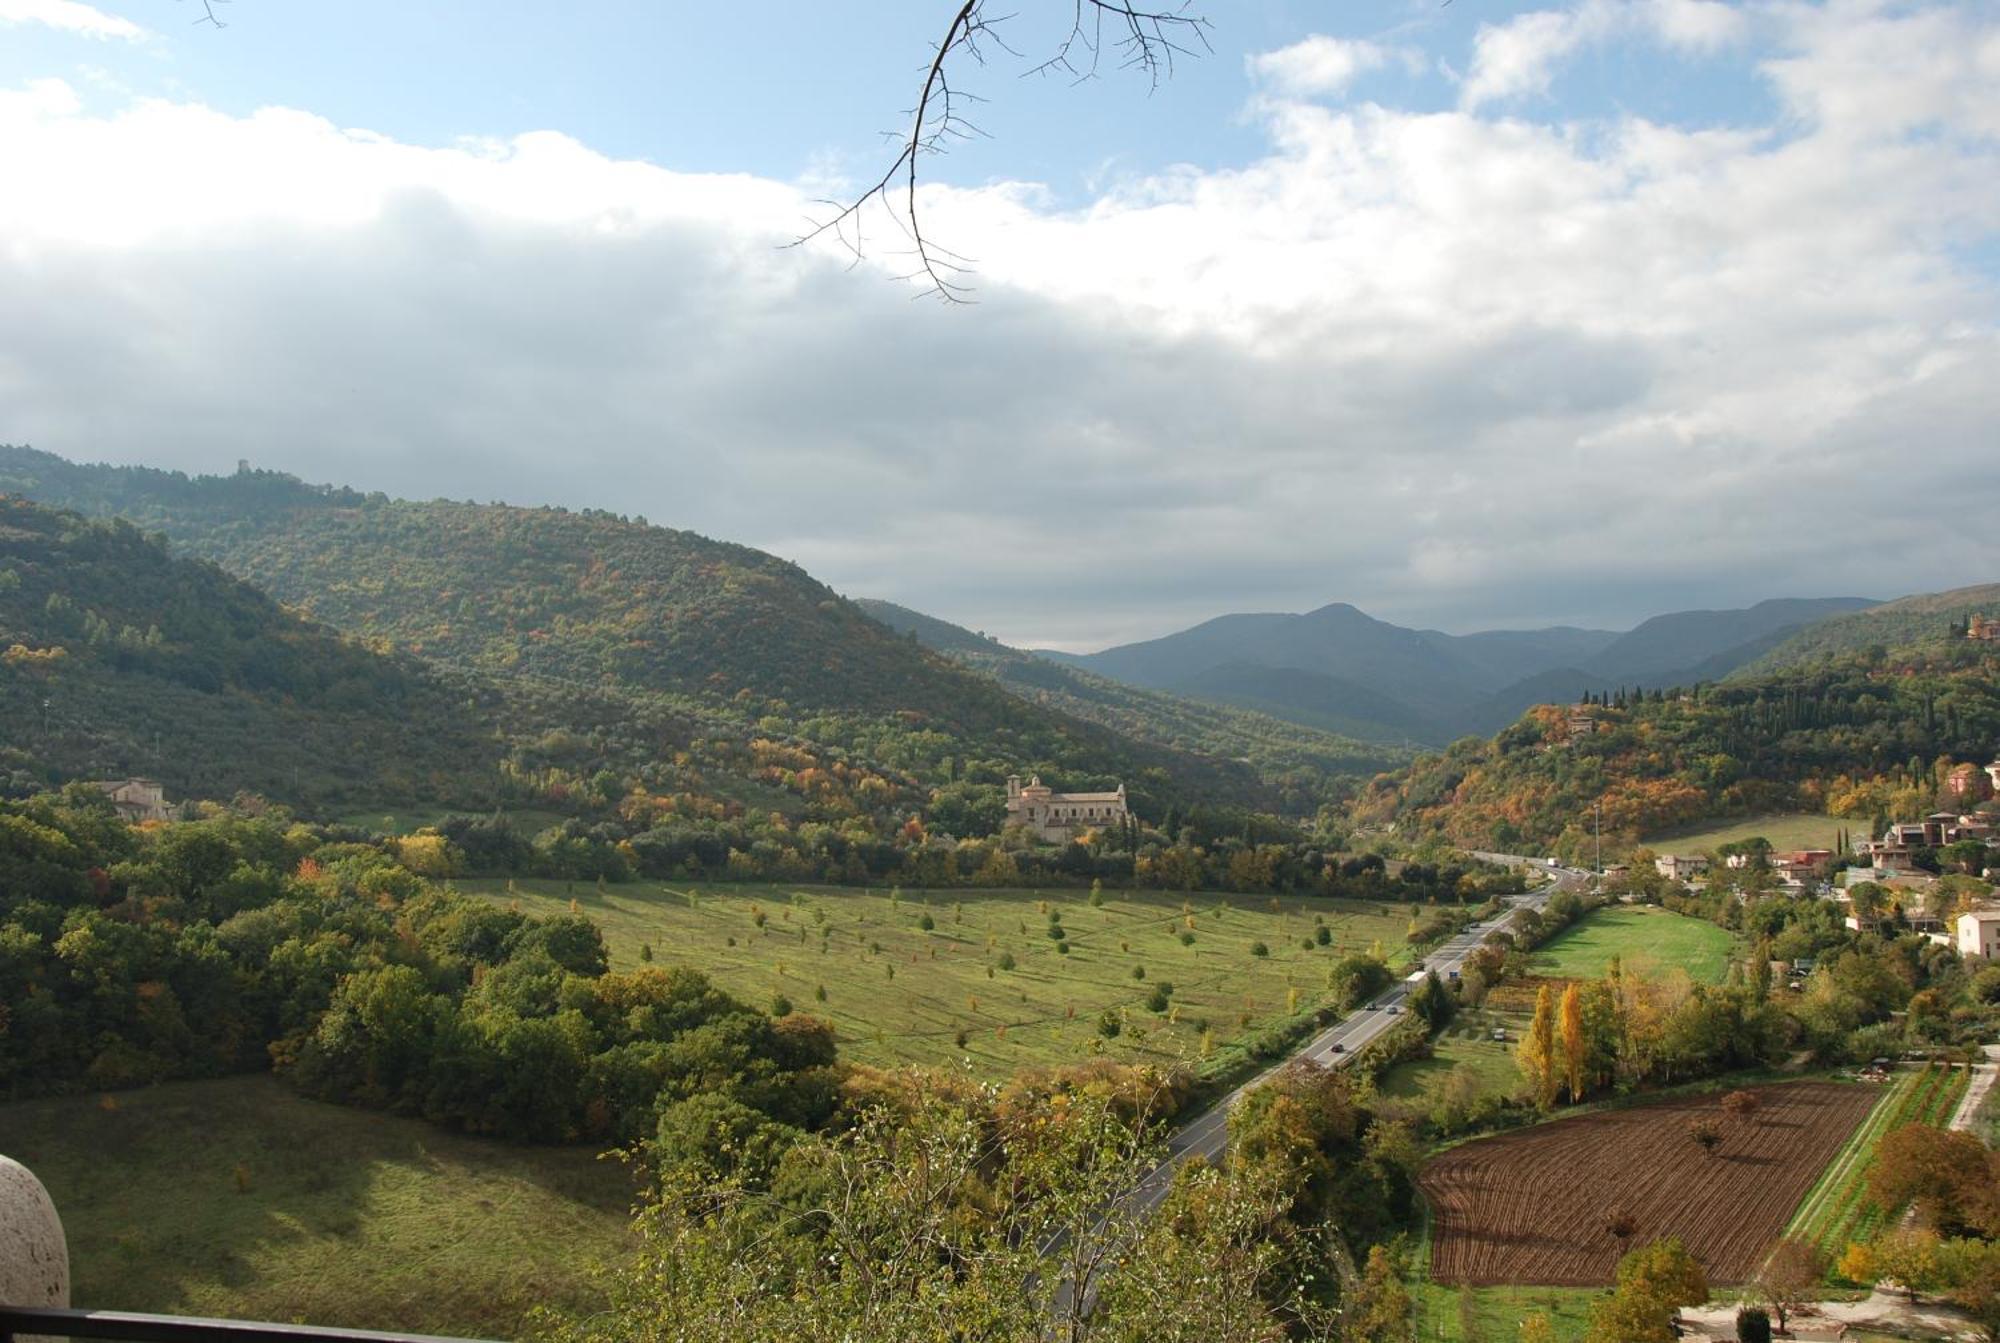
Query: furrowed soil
x=1535 y=1206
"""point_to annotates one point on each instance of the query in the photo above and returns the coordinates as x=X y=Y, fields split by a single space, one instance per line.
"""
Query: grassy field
x=1786 y=831
x=1468 y=1042
x=1649 y=940
x=1494 y=1314
x=898 y=992
x=238 y=1198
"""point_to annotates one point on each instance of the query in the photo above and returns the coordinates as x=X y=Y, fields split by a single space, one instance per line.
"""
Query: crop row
x=1837 y=1212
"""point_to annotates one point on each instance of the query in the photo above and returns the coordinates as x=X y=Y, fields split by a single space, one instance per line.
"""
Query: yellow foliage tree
x=1575 y=1046
x=1536 y=1052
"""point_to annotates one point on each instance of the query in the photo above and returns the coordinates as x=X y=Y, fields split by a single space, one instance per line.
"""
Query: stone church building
x=1055 y=817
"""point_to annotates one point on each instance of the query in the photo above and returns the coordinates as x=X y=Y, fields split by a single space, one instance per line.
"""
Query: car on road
x=1392 y=1009
x=1336 y=1048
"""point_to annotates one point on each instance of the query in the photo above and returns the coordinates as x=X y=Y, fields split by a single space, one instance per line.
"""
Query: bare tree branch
x=1146 y=40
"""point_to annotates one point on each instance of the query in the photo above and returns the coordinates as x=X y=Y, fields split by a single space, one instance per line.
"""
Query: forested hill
x=1859 y=736
x=116 y=658
x=559 y=608
x=591 y=597
x=1923 y=619
x=1301 y=761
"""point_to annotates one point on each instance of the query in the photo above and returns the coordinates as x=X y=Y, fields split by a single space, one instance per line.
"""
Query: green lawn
x=1786 y=831
x=1650 y=940
x=899 y=993
x=239 y=1198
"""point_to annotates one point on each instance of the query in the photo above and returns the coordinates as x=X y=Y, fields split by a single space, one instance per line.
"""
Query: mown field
x=237 y=1197
x=1534 y=1205
x=1786 y=831
x=898 y=992
x=1648 y=940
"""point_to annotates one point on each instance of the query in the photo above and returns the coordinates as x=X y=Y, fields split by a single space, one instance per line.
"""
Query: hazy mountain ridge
x=1281 y=750
x=1340 y=668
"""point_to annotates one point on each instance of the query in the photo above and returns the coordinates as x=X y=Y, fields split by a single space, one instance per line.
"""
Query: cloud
x=1520 y=57
x=1459 y=369
x=1320 y=66
x=70 y=16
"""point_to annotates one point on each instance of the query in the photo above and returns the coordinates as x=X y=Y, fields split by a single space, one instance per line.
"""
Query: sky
x=1473 y=315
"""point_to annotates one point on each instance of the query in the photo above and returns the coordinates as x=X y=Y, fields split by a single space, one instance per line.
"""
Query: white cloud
x=1520 y=57
x=1456 y=368
x=1319 y=66
x=70 y=16
x=1695 y=25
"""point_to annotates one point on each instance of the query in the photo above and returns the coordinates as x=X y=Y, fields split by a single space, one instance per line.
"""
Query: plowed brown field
x=1532 y=1207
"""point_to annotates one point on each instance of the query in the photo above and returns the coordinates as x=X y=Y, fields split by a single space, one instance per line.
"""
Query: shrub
x=1006 y=961
x=781 y=1006
x=1109 y=1024
x=1187 y=939
x=1259 y=949
x=1138 y=972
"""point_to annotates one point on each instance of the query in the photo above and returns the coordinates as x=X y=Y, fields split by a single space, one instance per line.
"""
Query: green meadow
x=987 y=970
x=239 y=1198
x=1642 y=938
x=1787 y=831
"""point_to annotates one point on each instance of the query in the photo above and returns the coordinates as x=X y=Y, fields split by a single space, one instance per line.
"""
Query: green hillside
x=116 y=658
x=610 y=619
x=1855 y=736
x=1925 y=619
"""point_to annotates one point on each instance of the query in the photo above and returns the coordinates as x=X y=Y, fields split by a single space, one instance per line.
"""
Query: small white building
x=136 y=800
x=1979 y=933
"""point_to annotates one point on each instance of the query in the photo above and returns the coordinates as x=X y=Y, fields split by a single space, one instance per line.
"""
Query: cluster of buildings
x=1889 y=861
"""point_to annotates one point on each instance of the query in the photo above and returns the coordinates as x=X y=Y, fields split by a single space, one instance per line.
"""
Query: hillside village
x=1934 y=876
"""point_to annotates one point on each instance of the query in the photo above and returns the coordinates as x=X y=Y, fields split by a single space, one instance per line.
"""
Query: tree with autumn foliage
x=1575 y=1045
x=1536 y=1053
x=1654 y=1282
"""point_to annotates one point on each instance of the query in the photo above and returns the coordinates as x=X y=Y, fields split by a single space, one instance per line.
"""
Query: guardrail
x=17 y=1321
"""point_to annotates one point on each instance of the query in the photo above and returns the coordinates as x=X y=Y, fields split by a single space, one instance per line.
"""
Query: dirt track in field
x=1532 y=1207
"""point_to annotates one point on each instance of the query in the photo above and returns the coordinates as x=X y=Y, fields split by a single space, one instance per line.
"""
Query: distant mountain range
x=1343 y=671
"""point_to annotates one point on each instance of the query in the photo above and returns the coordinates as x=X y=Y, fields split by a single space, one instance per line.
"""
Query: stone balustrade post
x=34 y=1256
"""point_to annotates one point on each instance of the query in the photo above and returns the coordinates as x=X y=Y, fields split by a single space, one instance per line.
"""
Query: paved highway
x=1207 y=1134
